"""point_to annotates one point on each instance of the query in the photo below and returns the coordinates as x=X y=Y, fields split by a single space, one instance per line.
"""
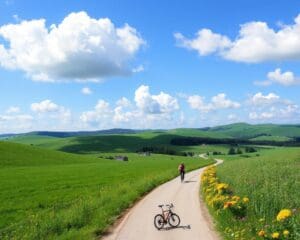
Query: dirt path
x=195 y=224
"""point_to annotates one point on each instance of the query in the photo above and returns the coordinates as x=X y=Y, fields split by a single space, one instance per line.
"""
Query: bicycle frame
x=166 y=213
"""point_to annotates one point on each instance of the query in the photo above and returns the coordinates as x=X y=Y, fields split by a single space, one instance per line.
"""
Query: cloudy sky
x=86 y=65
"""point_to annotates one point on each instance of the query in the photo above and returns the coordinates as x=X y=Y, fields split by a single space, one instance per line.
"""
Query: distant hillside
x=127 y=140
x=236 y=130
x=248 y=131
x=86 y=133
x=74 y=134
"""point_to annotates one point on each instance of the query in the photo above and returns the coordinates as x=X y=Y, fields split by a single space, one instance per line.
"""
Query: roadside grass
x=271 y=181
x=46 y=194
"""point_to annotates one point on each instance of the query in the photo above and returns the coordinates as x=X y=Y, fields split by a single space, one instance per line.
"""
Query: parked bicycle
x=167 y=216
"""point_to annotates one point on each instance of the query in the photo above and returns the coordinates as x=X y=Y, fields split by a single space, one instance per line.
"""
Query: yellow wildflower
x=286 y=233
x=245 y=200
x=222 y=186
x=284 y=214
x=262 y=233
x=235 y=198
x=275 y=235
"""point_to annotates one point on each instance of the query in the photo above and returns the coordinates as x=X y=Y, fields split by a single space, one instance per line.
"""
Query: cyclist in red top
x=181 y=169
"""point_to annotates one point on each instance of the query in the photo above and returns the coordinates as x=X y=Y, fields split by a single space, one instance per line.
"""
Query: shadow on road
x=189 y=181
x=187 y=227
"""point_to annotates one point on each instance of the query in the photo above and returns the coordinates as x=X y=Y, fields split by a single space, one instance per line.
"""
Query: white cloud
x=13 y=109
x=44 y=106
x=21 y=117
x=15 y=123
x=261 y=116
x=123 y=102
x=47 y=109
x=290 y=112
x=259 y=99
x=101 y=112
x=197 y=102
x=256 y=42
x=206 y=42
x=285 y=78
x=86 y=91
x=219 y=101
x=138 y=69
x=146 y=112
x=79 y=48
x=154 y=104
x=272 y=107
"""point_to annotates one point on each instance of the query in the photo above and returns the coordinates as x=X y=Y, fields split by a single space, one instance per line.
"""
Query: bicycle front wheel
x=159 y=221
x=174 y=220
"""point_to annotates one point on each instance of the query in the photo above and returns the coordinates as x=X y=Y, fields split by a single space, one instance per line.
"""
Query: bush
x=217 y=153
x=231 y=151
x=250 y=149
x=239 y=151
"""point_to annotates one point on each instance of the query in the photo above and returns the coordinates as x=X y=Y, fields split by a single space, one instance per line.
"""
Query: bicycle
x=167 y=216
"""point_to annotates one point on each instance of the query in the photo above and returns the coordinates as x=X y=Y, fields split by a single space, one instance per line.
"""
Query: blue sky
x=147 y=64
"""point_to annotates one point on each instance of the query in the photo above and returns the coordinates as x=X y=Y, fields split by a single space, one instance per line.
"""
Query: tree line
x=192 y=141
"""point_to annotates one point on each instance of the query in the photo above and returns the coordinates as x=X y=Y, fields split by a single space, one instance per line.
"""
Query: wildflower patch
x=220 y=197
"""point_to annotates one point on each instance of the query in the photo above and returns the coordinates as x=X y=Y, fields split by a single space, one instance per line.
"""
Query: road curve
x=138 y=223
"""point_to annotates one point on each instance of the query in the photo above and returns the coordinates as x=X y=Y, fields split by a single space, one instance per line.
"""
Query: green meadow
x=272 y=182
x=57 y=187
x=46 y=194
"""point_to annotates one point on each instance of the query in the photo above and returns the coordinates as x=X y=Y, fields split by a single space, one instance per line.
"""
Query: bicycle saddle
x=160 y=205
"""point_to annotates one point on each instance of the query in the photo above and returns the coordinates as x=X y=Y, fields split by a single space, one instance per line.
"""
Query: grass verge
x=246 y=196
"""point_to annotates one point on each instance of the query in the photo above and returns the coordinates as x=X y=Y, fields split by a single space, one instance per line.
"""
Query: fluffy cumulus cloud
x=80 y=47
x=154 y=104
x=47 y=109
x=277 y=76
x=44 y=106
x=146 y=110
x=206 y=42
x=272 y=107
x=259 y=99
x=220 y=101
x=86 y=91
x=256 y=42
x=100 y=113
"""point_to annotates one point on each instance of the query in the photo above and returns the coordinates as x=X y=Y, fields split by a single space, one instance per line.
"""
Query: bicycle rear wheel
x=174 y=220
x=159 y=221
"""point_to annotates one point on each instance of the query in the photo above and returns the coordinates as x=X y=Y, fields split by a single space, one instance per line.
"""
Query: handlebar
x=167 y=205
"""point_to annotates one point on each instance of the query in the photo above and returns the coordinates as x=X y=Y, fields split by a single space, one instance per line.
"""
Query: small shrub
x=231 y=151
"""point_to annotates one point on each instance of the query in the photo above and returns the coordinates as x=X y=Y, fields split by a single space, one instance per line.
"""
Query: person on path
x=181 y=169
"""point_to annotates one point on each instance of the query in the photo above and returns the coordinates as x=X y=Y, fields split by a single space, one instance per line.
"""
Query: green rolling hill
x=48 y=194
x=118 y=140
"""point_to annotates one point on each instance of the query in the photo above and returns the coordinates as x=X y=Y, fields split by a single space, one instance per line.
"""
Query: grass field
x=115 y=143
x=271 y=181
x=56 y=195
x=272 y=138
x=46 y=194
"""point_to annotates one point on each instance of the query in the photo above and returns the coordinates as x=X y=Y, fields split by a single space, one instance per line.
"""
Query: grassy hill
x=244 y=130
x=46 y=194
x=131 y=141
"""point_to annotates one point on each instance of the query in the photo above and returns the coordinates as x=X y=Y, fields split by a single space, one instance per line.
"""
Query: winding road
x=195 y=221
